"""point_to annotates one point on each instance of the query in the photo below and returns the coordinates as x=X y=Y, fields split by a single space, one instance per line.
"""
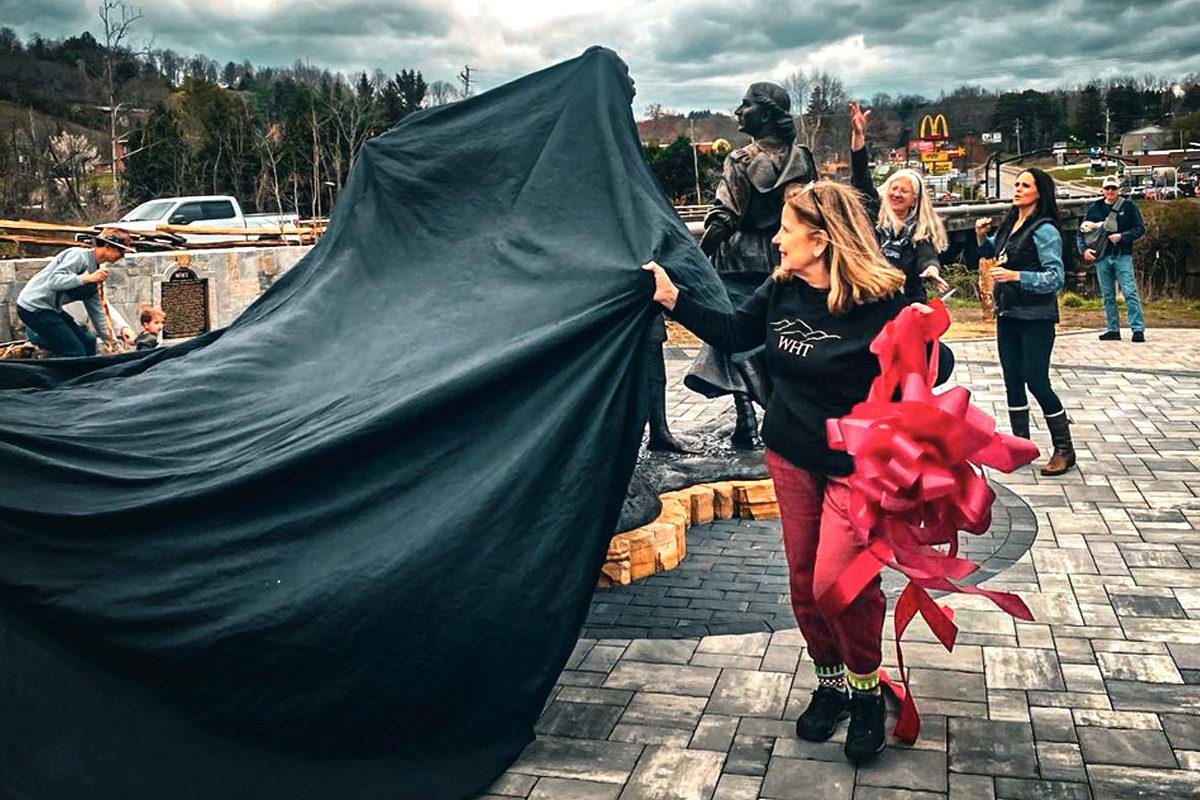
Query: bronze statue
x=660 y=437
x=737 y=237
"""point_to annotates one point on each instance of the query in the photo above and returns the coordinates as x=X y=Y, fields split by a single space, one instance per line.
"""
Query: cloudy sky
x=684 y=54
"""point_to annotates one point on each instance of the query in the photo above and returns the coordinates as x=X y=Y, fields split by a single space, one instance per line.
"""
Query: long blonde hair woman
x=817 y=315
x=910 y=233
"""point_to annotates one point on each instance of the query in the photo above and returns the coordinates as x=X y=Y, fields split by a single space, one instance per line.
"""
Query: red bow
x=917 y=481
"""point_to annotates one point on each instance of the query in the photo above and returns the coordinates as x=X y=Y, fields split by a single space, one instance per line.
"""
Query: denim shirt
x=1049 y=249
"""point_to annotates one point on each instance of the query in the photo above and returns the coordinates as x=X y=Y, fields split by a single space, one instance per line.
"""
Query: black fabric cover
x=343 y=547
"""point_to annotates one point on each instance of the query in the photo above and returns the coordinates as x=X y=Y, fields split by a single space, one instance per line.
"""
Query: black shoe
x=826 y=709
x=1139 y=336
x=1112 y=336
x=866 y=737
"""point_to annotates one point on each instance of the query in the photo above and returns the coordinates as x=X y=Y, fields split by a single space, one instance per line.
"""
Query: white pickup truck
x=202 y=211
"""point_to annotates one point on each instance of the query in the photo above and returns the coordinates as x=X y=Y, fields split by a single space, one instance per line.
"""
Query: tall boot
x=1018 y=420
x=1063 y=457
x=660 y=435
x=745 y=433
x=656 y=378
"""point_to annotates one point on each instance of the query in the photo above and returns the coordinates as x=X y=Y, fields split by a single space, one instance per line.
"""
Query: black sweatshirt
x=820 y=364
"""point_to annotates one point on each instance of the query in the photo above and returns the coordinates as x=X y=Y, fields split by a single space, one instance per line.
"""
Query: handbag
x=1095 y=236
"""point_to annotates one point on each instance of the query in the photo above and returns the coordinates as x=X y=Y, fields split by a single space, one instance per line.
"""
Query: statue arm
x=727 y=208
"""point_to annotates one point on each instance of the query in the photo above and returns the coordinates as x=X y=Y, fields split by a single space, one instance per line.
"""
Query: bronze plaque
x=185 y=305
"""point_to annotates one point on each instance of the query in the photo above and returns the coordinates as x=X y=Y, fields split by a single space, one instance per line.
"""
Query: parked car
x=202 y=211
x=1168 y=193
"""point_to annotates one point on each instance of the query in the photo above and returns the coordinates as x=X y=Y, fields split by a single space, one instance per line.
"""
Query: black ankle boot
x=1063 y=457
x=745 y=434
x=1018 y=420
x=826 y=709
x=866 y=737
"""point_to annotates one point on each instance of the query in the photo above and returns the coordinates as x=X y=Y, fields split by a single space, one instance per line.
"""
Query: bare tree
x=799 y=87
x=440 y=93
x=118 y=18
x=73 y=158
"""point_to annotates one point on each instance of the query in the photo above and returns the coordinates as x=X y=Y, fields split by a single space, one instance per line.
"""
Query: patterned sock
x=834 y=676
x=867 y=685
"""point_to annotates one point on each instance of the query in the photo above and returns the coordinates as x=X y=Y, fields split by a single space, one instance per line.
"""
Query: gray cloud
x=684 y=54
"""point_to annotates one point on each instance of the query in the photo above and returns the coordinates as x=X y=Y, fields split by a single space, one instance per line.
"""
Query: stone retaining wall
x=236 y=278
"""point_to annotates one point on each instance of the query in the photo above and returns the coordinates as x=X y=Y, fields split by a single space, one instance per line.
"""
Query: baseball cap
x=1111 y=181
x=113 y=238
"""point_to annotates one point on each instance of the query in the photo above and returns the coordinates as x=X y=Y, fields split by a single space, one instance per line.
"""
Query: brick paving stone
x=1016 y=789
x=666 y=678
x=737 y=787
x=1140 y=696
x=1122 y=783
x=605 y=762
x=1137 y=605
x=862 y=792
x=512 y=784
x=971 y=787
x=1053 y=725
x=578 y=720
x=1135 y=720
x=1061 y=761
x=661 y=651
x=794 y=779
x=750 y=694
x=563 y=789
x=988 y=747
x=1138 y=667
x=1129 y=747
x=672 y=773
x=664 y=710
x=1183 y=730
x=905 y=769
x=657 y=735
x=714 y=732
x=749 y=754
x=1012 y=668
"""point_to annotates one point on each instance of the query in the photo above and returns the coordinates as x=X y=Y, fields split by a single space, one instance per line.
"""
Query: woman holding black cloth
x=1026 y=279
x=817 y=314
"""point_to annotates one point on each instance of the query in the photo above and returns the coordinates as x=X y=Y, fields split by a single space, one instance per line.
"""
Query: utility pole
x=1107 y=125
x=1018 y=137
x=696 y=162
x=465 y=77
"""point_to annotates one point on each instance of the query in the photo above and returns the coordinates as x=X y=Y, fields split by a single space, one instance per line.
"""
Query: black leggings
x=1025 y=347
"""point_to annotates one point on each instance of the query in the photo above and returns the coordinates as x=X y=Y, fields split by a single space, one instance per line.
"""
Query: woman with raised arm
x=910 y=233
x=1027 y=277
x=816 y=314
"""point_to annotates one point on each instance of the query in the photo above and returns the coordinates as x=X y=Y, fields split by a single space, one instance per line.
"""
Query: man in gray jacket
x=74 y=274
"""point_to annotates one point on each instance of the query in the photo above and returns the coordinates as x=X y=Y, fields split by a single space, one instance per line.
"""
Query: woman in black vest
x=1027 y=276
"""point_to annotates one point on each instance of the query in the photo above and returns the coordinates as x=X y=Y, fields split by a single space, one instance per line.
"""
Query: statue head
x=766 y=109
x=620 y=62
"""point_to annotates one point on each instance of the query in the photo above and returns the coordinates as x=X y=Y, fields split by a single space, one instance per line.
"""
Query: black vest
x=1012 y=302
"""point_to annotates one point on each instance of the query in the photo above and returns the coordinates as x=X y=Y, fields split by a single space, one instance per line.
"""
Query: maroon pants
x=814 y=511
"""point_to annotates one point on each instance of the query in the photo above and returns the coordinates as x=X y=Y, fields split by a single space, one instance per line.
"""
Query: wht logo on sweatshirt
x=798 y=337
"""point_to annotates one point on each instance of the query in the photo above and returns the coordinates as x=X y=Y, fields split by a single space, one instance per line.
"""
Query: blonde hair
x=858 y=274
x=929 y=224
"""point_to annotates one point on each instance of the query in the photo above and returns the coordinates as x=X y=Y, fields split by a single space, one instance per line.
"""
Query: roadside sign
x=993 y=138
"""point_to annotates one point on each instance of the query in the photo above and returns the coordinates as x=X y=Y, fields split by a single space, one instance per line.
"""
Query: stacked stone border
x=662 y=543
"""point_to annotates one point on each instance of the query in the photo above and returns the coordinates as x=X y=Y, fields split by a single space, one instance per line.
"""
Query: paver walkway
x=1099 y=698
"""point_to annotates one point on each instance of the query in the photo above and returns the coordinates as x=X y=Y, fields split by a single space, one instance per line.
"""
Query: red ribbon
x=918 y=480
